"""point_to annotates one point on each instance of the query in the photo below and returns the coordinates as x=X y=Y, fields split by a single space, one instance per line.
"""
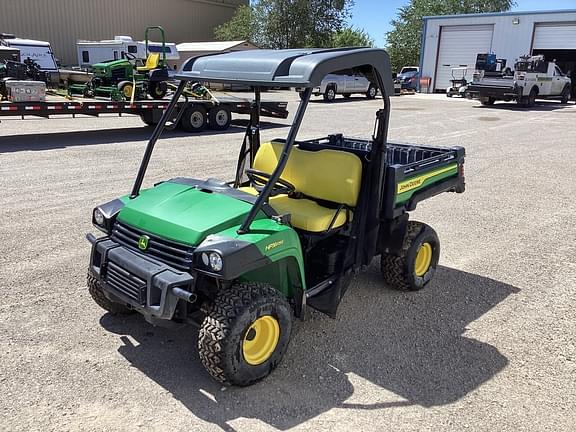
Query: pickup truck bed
x=413 y=172
x=498 y=88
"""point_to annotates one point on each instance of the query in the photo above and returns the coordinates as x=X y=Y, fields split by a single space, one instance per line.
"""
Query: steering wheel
x=259 y=179
x=131 y=58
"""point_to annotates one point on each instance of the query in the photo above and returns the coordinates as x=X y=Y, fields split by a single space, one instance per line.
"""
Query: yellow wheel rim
x=423 y=259
x=260 y=340
x=128 y=91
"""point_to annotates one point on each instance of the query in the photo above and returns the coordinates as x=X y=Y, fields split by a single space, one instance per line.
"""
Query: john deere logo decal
x=143 y=242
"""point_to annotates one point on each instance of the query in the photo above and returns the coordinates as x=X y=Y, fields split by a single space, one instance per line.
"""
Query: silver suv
x=346 y=83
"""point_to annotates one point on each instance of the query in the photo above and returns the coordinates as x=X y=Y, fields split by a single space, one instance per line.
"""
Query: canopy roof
x=286 y=68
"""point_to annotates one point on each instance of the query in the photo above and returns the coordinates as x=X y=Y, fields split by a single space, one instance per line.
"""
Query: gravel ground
x=489 y=345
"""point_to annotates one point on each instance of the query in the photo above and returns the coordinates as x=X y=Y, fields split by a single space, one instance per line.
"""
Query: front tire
x=565 y=97
x=101 y=300
x=330 y=94
x=245 y=334
x=372 y=92
x=416 y=264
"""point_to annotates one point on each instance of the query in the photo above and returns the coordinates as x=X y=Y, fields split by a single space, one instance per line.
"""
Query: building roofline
x=510 y=13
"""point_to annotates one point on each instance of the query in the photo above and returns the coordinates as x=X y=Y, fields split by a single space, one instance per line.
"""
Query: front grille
x=174 y=254
x=126 y=283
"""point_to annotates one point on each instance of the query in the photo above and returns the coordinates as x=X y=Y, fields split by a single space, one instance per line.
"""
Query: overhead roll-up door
x=458 y=47
x=555 y=36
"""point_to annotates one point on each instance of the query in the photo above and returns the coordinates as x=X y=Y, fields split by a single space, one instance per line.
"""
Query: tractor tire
x=126 y=88
x=101 y=300
x=372 y=92
x=245 y=333
x=157 y=89
x=194 y=119
x=330 y=93
x=565 y=96
x=219 y=118
x=417 y=262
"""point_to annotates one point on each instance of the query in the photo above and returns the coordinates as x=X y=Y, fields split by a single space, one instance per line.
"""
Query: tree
x=404 y=39
x=287 y=23
x=352 y=37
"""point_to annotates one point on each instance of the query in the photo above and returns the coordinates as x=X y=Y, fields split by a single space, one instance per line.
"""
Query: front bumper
x=145 y=284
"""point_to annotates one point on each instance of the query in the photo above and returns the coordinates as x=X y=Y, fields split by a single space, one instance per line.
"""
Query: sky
x=374 y=16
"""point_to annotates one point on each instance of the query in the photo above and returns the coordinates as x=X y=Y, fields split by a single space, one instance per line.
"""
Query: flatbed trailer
x=191 y=114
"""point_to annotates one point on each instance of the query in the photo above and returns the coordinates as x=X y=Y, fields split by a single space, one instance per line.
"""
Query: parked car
x=408 y=77
x=346 y=83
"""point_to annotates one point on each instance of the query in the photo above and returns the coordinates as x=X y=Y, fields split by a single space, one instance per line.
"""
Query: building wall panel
x=63 y=22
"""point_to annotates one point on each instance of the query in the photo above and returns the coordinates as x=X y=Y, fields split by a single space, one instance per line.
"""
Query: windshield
x=408 y=69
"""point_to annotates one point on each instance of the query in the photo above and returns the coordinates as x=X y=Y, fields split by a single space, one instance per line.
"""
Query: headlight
x=99 y=217
x=215 y=261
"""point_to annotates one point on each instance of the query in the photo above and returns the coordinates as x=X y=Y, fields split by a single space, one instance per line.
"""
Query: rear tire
x=487 y=101
x=101 y=300
x=414 y=268
x=219 y=118
x=194 y=119
x=157 y=89
x=234 y=348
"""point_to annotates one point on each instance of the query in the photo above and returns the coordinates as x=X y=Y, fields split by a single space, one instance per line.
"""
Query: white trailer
x=39 y=51
x=92 y=52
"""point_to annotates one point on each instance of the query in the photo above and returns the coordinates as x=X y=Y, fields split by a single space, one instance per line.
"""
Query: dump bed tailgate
x=415 y=173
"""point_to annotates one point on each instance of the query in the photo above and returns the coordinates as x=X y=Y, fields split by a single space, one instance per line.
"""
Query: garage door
x=459 y=46
x=554 y=36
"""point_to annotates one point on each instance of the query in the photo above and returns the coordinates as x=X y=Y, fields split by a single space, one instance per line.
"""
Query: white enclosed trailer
x=92 y=52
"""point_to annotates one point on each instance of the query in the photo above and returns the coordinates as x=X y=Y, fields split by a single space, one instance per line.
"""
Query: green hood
x=183 y=213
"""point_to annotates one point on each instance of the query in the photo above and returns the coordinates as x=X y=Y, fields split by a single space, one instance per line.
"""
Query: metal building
x=63 y=22
x=455 y=40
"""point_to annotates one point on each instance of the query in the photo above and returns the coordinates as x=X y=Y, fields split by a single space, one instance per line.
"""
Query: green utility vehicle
x=301 y=218
x=123 y=79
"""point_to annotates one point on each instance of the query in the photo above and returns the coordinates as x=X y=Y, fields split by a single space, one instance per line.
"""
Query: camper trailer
x=39 y=51
x=92 y=52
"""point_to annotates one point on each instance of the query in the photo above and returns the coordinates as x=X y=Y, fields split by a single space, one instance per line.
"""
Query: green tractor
x=242 y=258
x=124 y=80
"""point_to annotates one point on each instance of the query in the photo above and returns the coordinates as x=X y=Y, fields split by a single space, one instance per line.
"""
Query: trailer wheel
x=565 y=97
x=486 y=101
x=372 y=92
x=148 y=120
x=194 y=119
x=219 y=118
x=157 y=89
x=245 y=333
x=417 y=262
x=330 y=93
x=101 y=300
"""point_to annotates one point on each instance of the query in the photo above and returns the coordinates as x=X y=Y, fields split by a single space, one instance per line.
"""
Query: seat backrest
x=152 y=61
x=329 y=175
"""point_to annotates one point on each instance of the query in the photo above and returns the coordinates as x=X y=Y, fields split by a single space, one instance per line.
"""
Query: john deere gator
x=241 y=258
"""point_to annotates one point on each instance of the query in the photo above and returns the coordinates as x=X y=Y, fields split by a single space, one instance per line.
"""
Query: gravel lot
x=488 y=346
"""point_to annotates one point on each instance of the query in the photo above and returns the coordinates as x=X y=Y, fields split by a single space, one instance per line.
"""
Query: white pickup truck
x=534 y=78
x=346 y=83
